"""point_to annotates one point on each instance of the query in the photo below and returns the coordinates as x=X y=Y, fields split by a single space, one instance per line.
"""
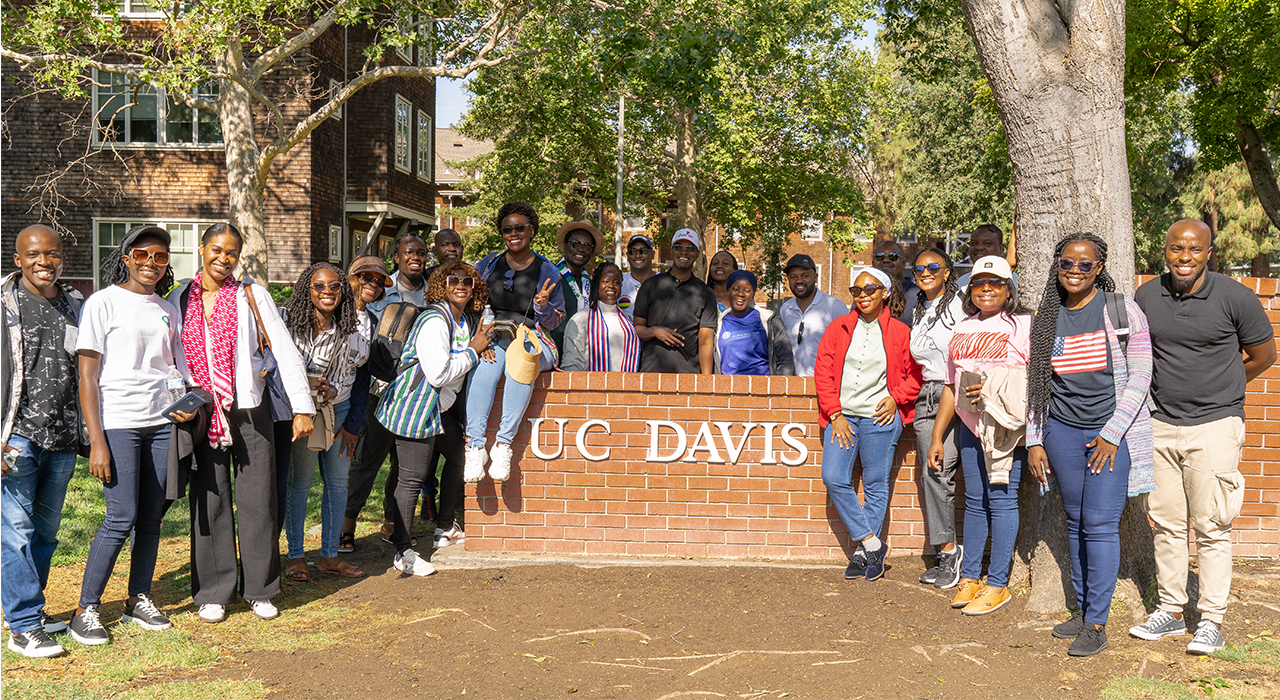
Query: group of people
x=205 y=387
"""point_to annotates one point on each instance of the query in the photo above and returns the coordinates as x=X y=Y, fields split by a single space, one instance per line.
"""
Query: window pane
x=403 y=110
x=110 y=99
x=179 y=126
x=143 y=122
x=142 y=6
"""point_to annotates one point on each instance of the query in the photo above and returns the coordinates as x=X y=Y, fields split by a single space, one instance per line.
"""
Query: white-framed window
x=151 y=118
x=151 y=9
x=426 y=135
x=426 y=41
x=633 y=223
x=404 y=116
x=334 y=88
x=184 y=252
x=818 y=273
x=335 y=243
x=811 y=230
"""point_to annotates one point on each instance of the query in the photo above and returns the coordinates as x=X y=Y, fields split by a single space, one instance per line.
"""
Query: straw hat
x=569 y=227
x=524 y=356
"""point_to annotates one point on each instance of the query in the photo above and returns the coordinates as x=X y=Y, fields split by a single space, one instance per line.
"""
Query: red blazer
x=902 y=372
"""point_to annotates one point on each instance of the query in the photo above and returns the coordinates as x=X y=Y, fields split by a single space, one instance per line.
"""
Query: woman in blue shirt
x=750 y=340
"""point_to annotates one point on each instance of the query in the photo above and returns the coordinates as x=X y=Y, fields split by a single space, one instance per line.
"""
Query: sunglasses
x=579 y=245
x=509 y=284
x=891 y=257
x=321 y=287
x=637 y=251
x=684 y=248
x=931 y=267
x=993 y=282
x=800 y=335
x=142 y=257
x=866 y=290
x=1084 y=266
x=465 y=281
x=369 y=278
x=505 y=230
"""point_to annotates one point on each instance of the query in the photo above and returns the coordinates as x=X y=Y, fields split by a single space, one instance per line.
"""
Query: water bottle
x=486 y=317
x=173 y=382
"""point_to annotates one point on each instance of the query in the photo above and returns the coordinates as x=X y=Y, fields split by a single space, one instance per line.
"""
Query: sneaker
x=931 y=575
x=146 y=615
x=473 y=468
x=36 y=644
x=989 y=601
x=1071 y=628
x=1159 y=624
x=1208 y=639
x=1090 y=641
x=51 y=625
x=86 y=628
x=444 y=538
x=969 y=589
x=949 y=568
x=212 y=613
x=857 y=565
x=875 y=562
x=410 y=562
x=264 y=609
x=388 y=529
x=501 y=467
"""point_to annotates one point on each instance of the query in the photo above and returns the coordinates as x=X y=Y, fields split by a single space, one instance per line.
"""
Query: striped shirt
x=437 y=357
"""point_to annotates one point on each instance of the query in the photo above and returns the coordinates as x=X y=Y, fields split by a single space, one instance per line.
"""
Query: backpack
x=388 y=339
x=1119 y=319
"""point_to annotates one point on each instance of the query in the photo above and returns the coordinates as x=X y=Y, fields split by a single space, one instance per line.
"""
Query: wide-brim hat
x=370 y=263
x=524 y=356
x=569 y=227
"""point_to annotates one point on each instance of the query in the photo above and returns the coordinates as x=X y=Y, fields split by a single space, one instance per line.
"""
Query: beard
x=1184 y=284
x=805 y=292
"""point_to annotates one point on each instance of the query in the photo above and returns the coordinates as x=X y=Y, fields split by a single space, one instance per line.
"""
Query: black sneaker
x=36 y=644
x=1071 y=628
x=931 y=575
x=857 y=565
x=949 y=568
x=146 y=615
x=1090 y=641
x=875 y=562
x=86 y=628
x=52 y=625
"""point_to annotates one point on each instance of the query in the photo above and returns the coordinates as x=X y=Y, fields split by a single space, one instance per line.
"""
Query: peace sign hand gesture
x=543 y=297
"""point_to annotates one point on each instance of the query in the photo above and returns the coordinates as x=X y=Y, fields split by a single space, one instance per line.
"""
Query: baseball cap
x=145 y=231
x=370 y=263
x=991 y=265
x=800 y=260
x=687 y=234
x=641 y=238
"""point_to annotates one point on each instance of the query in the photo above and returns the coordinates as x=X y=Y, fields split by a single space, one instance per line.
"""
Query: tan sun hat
x=569 y=227
x=524 y=356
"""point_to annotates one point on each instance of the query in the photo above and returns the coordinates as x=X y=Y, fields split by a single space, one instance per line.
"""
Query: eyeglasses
x=637 y=251
x=800 y=335
x=142 y=257
x=509 y=284
x=321 y=287
x=993 y=282
x=369 y=278
x=506 y=230
x=866 y=290
x=1084 y=266
x=684 y=248
x=891 y=257
x=579 y=245
x=465 y=281
x=931 y=267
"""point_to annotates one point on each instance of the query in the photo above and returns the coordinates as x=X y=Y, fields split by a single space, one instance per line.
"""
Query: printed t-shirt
x=49 y=410
x=931 y=336
x=744 y=344
x=980 y=344
x=1084 y=392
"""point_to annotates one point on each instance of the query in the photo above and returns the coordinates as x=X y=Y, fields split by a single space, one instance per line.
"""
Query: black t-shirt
x=49 y=410
x=1084 y=391
x=1196 y=341
x=511 y=292
x=684 y=307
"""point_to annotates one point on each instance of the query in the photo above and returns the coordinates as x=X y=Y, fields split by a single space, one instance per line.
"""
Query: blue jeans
x=135 y=504
x=334 y=469
x=990 y=511
x=1094 y=503
x=481 y=388
x=876 y=445
x=31 y=511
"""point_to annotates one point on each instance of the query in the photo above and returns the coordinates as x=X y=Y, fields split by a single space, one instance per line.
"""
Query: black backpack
x=1119 y=319
x=388 y=339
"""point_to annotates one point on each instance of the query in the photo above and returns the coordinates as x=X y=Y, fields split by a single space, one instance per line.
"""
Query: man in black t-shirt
x=1200 y=321
x=675 y=314
x=41 y=431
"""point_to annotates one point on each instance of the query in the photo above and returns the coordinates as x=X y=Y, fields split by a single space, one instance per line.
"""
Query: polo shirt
x=684 y=307
x=821 y=312
x=1196 y=340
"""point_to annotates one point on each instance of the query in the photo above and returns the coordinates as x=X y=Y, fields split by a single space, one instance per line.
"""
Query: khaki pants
x=1197 y=479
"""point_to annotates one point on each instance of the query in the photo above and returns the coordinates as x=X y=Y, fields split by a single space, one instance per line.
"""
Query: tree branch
x=300 y=41
x=1253 y=148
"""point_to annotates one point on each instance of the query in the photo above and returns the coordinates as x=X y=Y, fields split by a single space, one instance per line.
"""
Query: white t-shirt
x=630 y=288
x=931 y=336
x=138 y=336
x=821 y=312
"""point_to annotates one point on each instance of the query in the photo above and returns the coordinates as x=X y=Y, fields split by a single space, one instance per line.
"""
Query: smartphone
x=963 y=402
x=188 y=403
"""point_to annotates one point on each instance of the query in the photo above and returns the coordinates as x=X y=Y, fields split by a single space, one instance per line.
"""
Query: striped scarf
x=598 y=342
x=217 y=378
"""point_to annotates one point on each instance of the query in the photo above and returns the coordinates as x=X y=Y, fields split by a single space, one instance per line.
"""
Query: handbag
x=274 y=395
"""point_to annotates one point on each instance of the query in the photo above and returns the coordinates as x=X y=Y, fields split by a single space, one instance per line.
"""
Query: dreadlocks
x=301 y=315
x=1044 y=329
x=116 y=271
x=896 y=301
x=944 y=301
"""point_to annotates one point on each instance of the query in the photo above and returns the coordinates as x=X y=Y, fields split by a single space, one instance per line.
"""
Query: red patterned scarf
x=217 y=378
x=598 y=342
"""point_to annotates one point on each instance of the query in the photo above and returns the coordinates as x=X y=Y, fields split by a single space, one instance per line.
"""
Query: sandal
x=341 y=568
x=297 y=570
x=346 y=543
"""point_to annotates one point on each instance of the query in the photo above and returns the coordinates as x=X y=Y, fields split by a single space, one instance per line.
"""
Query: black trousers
x=452 y=445
x=416 y=459
x=216 y=576
x=373 y=445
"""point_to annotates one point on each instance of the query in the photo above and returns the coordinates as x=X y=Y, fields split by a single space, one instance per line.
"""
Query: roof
x=451 y=147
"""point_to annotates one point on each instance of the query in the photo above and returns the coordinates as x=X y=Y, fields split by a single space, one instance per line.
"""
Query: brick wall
x=628 y=505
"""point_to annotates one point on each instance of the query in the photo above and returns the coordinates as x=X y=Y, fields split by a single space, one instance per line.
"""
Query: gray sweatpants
x=938 y=485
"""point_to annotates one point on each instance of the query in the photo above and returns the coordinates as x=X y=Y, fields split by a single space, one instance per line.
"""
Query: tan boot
x=968 y=589
x=989 y=601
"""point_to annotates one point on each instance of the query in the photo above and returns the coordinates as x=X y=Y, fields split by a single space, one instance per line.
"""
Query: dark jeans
x=373 y=445
x=135 y=504
x=1094 y=503
x=415 y=456
x=990 y=511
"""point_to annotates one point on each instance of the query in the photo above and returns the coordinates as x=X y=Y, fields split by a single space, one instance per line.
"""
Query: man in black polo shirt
x=676 y=314
x=1200 y=321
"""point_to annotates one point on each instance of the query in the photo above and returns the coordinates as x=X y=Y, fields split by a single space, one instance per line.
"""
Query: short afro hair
x=518 y=208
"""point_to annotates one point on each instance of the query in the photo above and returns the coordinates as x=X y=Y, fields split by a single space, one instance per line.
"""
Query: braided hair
x=300 y=313
x=595 y=281
x=944 y=301
x=1044 y=329
x=896 y=302
x=115 y=270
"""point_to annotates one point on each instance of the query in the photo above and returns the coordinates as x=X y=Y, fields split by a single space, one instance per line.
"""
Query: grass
x=1262 y=651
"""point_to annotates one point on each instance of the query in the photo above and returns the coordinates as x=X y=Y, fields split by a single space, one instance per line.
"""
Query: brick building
x=356 y=181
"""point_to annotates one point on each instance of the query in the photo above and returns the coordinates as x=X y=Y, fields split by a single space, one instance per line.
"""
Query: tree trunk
x=688 y=213
x=1056 y=70
x=245 y=180
x=1213 y=231
x=1260 y=266
x=1253 y=148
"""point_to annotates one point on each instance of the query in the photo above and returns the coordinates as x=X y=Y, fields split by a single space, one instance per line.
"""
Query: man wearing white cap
x=676 y=314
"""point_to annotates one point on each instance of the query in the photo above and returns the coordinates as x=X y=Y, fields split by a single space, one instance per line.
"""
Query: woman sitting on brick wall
x=599 y=338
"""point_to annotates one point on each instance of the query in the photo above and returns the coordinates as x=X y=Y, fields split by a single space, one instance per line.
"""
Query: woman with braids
x=222 y=323
x=599 y=338
x=937 y=310
x=128 y=354
x=1087 y=419
x=324 y=321
x=867 y=385
x=988 y=352
x=750 y=340
x=524 y=288
x=719 y=268
x=443 y=346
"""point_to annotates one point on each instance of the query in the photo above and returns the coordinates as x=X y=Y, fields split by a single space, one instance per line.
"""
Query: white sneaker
x=473 y=469
x=212 y=613
x=444 y=538
x=264 y=609
x=501 y=456
x=411 y=563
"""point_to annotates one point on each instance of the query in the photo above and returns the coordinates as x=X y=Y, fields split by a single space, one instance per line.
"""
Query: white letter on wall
x=768 y=443
x=795 y=444
x=706 y=443
x=535 y=442
x=734 y=451
x=654 y=427
x=582 y=442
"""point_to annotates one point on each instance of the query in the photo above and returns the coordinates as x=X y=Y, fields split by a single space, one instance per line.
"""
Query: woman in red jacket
x=867 y=385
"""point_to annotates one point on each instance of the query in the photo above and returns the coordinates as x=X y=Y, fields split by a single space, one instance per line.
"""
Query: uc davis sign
x=707 y=445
